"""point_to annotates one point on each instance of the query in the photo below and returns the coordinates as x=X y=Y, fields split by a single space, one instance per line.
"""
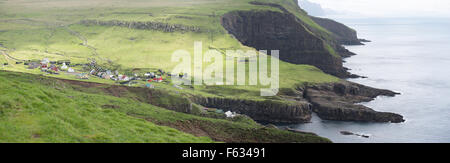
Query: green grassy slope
x=48 y=110
x=42 y=28
x=51 y=29
x=34 y=112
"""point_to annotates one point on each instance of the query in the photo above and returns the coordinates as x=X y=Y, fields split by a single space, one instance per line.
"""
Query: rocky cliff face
x=270 y=30
x=266 y=111
x=338 y=101
x=331 y=101
x=343 y=34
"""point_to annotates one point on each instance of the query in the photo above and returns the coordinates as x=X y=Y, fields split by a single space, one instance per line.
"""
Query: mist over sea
x=410 y=56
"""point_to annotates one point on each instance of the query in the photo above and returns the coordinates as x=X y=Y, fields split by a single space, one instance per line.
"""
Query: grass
x=33 y=112
x=50 y=29
x=147 y=49
x=47 y=31
x=48 y=110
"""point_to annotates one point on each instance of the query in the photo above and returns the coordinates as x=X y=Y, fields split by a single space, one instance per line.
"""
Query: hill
x=55 y=110
x=135 y=37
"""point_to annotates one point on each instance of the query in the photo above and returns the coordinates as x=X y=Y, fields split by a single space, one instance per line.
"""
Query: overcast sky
x=389 y=8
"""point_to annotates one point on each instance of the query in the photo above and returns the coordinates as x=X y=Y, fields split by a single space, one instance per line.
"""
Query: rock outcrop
x=331 y=101
x=338 y=101
x=266 y=111
x=263 y=111
x=343 y=34
x=148 y=25
x=270 y=30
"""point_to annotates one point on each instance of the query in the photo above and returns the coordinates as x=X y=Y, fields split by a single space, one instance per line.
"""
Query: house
x=64 y=66
x=71 y=70
x=106 y=76
x=33 y=65
x=54 y=68
x=159 y=79
x=44 y=66
x=60 y=62
x=149 y=75
x=124 y=78
x=100 y=74
x=230 y=114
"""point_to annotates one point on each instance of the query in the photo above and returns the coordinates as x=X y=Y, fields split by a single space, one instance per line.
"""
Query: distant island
x=315 y=9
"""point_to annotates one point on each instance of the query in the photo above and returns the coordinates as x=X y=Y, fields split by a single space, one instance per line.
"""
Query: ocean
x=409 y=56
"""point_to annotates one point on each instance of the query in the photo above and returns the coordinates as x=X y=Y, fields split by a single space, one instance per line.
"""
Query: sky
x=389 y=8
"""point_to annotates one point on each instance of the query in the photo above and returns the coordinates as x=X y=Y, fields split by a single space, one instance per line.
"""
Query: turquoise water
x=411 y=56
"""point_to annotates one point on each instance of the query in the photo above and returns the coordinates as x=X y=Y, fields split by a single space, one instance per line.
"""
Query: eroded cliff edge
x=339 y=101
x=270 y=30
x=342 y=34
x=330 y=101
x=298 y=44
x=303 y=102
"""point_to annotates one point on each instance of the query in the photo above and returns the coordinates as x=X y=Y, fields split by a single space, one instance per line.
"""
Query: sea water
x=409 y=56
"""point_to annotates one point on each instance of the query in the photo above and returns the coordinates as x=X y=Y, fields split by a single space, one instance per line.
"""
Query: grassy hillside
x=49 y=110
x=35 y=112
x=52 y=29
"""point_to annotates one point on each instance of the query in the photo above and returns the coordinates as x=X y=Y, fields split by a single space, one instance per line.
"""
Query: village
x=94 y=70
x=135 y=77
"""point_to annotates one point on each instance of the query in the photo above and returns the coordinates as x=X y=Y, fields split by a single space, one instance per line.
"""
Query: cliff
x=278 y=25
x=311 y=40
x=339 y=101
x=300 y=43
x=343 y=34
x=270 y=30
x=331 y=101
x=90 y=108
x=265 y=111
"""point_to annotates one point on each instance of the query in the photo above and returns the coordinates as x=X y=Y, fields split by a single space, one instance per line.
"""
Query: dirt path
x=82 y=38
x=9 y=56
